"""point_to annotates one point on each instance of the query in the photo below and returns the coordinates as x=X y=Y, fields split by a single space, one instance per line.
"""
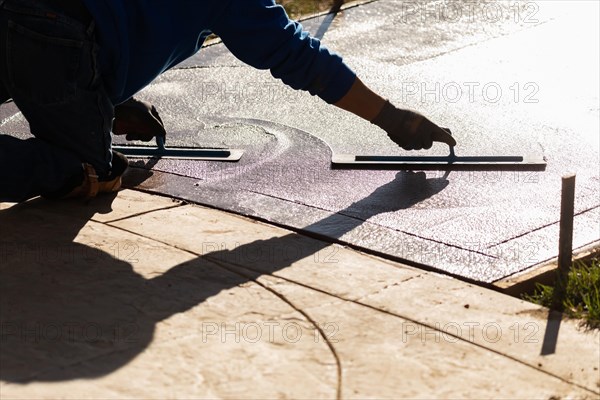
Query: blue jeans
x=48 y=67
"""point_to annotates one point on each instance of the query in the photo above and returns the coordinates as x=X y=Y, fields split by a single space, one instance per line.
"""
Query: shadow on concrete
x=140 y=172
x=551 y=333
x=70 y=310
x=555 y=314
x=328 y=19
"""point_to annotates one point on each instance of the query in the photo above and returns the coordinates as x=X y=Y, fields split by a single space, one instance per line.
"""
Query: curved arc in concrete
x=284 y=136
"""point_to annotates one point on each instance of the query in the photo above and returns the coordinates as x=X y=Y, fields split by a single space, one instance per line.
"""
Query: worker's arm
x=361 y=101
x=260 y=34
x=409 y=129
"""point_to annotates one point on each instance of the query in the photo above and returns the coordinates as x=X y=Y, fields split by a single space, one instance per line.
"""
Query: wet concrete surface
x=507 y=81
x=401 y=214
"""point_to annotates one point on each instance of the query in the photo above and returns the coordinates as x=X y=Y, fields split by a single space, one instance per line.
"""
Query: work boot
x=91 y=185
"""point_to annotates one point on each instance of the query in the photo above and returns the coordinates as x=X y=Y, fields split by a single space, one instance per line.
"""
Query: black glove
x=409 y=129
x=138 y=120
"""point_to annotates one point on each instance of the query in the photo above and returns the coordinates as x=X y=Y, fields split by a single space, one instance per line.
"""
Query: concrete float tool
x=443 y=163
x=180 y=153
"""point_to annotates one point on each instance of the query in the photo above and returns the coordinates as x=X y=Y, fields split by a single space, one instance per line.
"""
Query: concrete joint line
x=112 y=221
x=432 y=327
x=274 y=292
x=541 y=228
x=283 y=298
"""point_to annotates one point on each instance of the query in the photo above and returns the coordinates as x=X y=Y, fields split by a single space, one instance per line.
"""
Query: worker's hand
x=138 y=120
x=409 y=129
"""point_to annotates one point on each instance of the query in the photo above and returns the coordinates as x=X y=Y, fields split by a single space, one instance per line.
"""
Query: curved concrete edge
x=224 y=306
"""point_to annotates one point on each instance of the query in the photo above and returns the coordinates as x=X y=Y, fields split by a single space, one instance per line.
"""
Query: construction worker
x=72 y=67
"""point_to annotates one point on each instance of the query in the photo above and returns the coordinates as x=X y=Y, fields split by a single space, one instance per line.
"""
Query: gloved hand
x=409 y=129
x=138 y=120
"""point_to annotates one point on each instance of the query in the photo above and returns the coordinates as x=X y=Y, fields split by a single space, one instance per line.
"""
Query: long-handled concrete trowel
x=445 y=163
x=180 y=153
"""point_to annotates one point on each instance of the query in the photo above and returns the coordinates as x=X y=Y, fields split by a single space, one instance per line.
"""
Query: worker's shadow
x=71 y=311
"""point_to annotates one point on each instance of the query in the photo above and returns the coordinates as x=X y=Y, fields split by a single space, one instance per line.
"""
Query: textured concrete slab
x=189 y=302
x=500 y=221
x=387 y=212
x=488 y=70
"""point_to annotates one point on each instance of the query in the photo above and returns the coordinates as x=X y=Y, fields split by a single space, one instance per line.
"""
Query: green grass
x=298 y=8
x=581 y=293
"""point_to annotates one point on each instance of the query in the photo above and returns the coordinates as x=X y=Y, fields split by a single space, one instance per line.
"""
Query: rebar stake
x=565 y=238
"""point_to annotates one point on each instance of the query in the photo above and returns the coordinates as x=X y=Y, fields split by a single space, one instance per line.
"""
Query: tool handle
x=160 y=142
x=451 y=155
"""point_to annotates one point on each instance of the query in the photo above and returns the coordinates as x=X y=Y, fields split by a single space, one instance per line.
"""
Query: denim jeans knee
x=48 y=66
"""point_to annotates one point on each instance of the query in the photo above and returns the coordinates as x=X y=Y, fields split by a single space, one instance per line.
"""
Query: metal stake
x=565 y=239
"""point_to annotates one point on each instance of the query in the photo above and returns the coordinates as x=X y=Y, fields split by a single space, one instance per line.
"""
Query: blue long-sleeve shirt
x=140 y=39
